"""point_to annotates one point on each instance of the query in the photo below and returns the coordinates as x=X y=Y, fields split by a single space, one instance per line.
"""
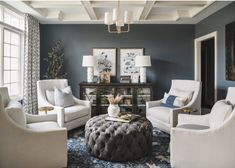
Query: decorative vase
x=105 y=77
x=113 y=110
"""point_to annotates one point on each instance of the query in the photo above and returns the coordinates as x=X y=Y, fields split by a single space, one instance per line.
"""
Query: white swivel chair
x=69 y=117
x=201 y=147
x=27 y=140
x=165 y=118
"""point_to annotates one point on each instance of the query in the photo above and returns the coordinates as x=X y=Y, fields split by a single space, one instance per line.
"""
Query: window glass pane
x=14 y=63
x=14 y=89
x=15 y=39
x=6 y=76
x=7 y=36
x=15 y=51
x=14 y=21
x=7 y=63
x=7 y=50
x=14 y=76
x=7 y=18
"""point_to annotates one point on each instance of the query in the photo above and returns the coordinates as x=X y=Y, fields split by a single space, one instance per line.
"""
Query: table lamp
x=143 y=61
x=89 y=62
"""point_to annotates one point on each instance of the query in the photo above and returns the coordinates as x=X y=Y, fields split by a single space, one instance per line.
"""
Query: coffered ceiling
x=144 y=11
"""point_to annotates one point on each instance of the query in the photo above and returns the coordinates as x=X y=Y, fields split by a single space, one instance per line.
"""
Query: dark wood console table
x=134 y=96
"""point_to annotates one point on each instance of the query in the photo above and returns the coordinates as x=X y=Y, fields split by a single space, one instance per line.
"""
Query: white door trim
x=197 y=58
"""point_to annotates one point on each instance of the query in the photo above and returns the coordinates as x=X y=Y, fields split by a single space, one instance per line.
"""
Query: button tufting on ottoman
x=117 y=141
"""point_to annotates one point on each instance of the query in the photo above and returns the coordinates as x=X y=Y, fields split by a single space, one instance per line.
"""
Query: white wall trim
x=197 y=58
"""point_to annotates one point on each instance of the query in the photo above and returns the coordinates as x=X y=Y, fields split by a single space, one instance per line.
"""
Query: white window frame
x=4 y=26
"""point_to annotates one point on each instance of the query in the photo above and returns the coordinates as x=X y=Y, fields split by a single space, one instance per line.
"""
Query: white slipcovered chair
x=165 y=118
x=205 y=148
x=69 y=117
x=27 y=140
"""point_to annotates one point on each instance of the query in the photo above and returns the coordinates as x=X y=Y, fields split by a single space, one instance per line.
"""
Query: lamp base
x=143 y=75
x=90 y=74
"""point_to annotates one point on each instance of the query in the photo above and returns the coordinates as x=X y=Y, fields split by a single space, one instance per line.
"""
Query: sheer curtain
x=31 y=64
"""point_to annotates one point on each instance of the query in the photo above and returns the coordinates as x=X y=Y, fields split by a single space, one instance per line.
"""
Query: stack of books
x=123 y=117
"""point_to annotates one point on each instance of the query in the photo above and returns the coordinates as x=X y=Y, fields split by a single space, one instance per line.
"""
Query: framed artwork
x=105 y=60
x=230 y=54
x=127 y=60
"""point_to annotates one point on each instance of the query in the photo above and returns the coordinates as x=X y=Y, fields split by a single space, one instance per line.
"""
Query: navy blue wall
x=217 y=22
x=170 y=46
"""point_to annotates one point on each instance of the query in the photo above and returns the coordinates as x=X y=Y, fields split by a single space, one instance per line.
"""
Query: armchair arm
x=193 y=119
x=150 y=104
x=38 y=118
x=200 y=148
x=82 y=102
x=14 y=104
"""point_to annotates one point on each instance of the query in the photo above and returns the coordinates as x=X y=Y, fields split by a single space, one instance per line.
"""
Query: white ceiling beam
x=146 y=10
x=55 y=15
x=25 y=7
x=176 y=4
x=195 y=11
x=89 y=9
x=53 y=4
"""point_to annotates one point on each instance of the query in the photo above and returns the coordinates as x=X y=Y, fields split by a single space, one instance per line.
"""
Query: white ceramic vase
x=113 y=110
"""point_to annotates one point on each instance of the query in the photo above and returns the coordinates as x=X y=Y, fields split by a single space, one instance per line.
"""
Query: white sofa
x=165 y=118
x=205 y=148
x=28 y=141
x=69 y=117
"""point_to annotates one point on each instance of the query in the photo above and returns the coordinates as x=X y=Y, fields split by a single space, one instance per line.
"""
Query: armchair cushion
x=43 y=126
x=16 y=114
x=161 y=113
x=182 y=93
x=193 y=126
x=50 y=95
x=173 y=101
x=64 y=98
x=219 y=113
x=74 y=112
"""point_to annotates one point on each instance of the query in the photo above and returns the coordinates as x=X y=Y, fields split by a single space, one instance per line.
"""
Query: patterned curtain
x=31 y=64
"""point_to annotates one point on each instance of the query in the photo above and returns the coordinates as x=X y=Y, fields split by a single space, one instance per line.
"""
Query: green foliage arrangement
x=55 y=62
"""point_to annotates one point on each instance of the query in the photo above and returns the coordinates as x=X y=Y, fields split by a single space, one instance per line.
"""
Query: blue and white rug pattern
x=79 y=157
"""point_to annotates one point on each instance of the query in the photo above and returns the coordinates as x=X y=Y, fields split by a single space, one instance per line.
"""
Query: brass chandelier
x=115 y=19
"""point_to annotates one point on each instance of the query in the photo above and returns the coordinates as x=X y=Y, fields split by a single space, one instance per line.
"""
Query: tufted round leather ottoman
x=118 y=141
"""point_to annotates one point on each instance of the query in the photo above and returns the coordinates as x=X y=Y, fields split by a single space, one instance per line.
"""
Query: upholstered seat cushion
x=193 y=126
x=43 y=126
x=74 y=112
x=161 y=113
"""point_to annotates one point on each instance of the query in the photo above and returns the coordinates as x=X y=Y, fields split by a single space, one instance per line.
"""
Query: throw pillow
x=182 y=93
x=219 y=113
x=173 y=101
x=64 y=98
x=17 y=114
x=50 y=96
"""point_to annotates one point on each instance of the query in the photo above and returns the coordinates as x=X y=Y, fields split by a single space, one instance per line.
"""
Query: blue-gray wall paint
x=170 y=46
x=217 y=22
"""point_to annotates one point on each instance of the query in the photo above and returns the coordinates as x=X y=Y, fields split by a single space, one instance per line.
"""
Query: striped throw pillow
x=173 y=101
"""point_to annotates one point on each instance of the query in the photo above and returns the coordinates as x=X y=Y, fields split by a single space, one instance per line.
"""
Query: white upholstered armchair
x=165 y=118
x=207 y=140
x=28 y=140
x=69 y=117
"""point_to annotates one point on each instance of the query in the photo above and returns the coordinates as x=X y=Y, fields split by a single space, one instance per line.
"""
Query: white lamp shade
x=128 y=17
x=88 y=61
x=143 y=61
x=108 y=18
x=115 y=14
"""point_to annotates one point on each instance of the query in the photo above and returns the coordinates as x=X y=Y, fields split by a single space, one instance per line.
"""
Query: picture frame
x=105 y=60
x=127 y=60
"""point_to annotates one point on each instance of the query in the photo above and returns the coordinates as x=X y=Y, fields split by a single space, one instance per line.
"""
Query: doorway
x=207 y=72
x=205 y=68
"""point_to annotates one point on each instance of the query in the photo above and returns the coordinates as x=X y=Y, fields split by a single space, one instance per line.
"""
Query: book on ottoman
x=123 y=117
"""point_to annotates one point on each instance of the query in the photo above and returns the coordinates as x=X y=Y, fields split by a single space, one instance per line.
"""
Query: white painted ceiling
x=144 y=11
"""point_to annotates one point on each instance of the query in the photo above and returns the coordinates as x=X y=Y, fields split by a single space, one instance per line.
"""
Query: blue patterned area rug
x=79 y=157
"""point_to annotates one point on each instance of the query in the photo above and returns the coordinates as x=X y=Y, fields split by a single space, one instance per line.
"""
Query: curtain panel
x=31 y=64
